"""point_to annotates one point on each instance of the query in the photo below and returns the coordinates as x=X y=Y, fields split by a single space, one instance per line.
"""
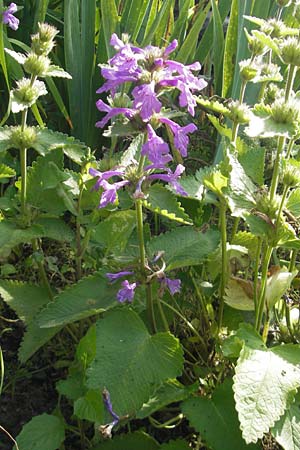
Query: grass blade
x=148 y=38
x=133 y=16
x=230 y=50
x=218 y=47
x=109 y=22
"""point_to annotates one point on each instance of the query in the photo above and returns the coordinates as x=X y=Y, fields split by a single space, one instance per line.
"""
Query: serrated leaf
x=268 y=128
x=42 y=432
x=72 y=387
x=131 y=154
x=19 y=57
x=89 y=407
x=265 y=384
x=293 y=202
x=86 y=349
x=56 y=71
x=216 y=418
x=245 y=334
x=287 y=430
x=184 y=246
x=27 y=300
x=18 y=104
x=11 y=236
x=130 y=362
x=56 y=229
x=248 y=240
x=129 y=441
x=5 y=138
x=6 y=171
x=89 y=296
x=161 y=201
x=115 y=231
x=170 y=392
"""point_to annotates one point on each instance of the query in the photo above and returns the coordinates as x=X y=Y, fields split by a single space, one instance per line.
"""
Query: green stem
x=78 y=235
x=264 y=276
x=266 y=331
x=292 y=265
x=235 y=227
x=42 y=271
x=23 y=163
x=202 y=303
x=256 y=268
x=289 y=149
x=224 y=262
x=290 y=81
x=162 y=314
x=284 y=195
x=275 y=176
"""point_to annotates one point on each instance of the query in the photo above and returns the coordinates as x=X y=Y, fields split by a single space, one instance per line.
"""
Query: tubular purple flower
x=181 y=139
x=156 y=150
x=170 y=48
x=111 y=112
x=9 y=19
x=104 y=176
x=108 y=404
x=127 y=292
x=109 y=194
x=116 y=42
x=174 y=286
x=115 y=276
x=171 y=178
x=146 y=101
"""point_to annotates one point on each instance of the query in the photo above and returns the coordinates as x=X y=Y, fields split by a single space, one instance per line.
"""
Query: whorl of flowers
x=152 y=75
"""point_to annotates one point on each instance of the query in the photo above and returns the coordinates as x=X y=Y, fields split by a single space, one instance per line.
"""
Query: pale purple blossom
x=111 y=112
x=171 y=47
x=181 y=139
x=8 y=17
x=104 y=175
x=109 y=194
x=145 y=100
x=156 y=150
x=171 y=178
x=127 y=292
x=115 y=276
x=107 y=429
x=173 y=286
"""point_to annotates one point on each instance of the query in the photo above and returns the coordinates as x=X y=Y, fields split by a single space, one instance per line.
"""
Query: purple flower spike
x=174 y=286
x=116 y=276
x=172 y=179
x=146 y=101
x=181 y=139
x=9 y=19
x=111 y=112
x=127 y=292
x=156 y=149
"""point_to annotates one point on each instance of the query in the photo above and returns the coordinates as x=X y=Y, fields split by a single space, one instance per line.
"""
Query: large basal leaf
x=130 y=441
x=11 y=235
x=89 y=407
x=89 y=296
x=129 y=362
x=265 y=384
x=42 y=432
x=293 y=202
x=161 y=201
x=287 y=430
x=170 y=392
x=115 y=231
x=27 y=300
x=184 y=246
x=56 y=229
x=216 y=419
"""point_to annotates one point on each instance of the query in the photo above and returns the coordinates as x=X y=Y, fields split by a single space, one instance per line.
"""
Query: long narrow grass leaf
x=218 y=47
x=230 y=50
x=156 y=23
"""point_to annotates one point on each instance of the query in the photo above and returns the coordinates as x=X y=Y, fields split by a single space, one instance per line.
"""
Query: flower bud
x=255 y=46
x=239 y=112
x=290 y=51
x=285 y=111
x=291 y=173
x=37 y=65
x=274 y=28
x=265 y=206
x=43 y=41
x=26 y=94
x=271 y=93
x=23 y=139
x=248 y=70
x=46 y=32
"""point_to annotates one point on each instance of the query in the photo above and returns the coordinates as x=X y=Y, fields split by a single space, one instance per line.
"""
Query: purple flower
x=171 y=178
x=174 y=286
x=116 y=42
x=108 y=404
x=109 y=194
x=181 y=139
x=146 y=101
x=156 y=149
x=171 y=47
x=104 y=176
x=116 y=276
x=9 y=19
x=111 y=112
x=127 y=292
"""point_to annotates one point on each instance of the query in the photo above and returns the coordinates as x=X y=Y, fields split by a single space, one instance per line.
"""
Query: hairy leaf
x=42 y=432
x=287 y=430
x=90 y=406
x=89 y=296
x=163 y=202
x=130 y=363
x=184 y=246
x=293 y=202
x=130 y=441
x=265 y=384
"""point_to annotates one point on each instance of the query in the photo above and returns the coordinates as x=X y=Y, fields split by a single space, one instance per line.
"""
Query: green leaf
x=72 y=387
x=130 y=441
x=27 y=300
x=11 y=236
x=265 y=384
x=89 y=407
x=230 y=50
x=42 y=432
x=161 y=201
x=248 y=240
x=130 y=363
x=218 y=47
x=56 y=229
x=287 y=430
x=86 y=349
x=6 y=171
x=56 y=71
x=89 y=296
x=5 y=138
x=245 y=334
x=131 y=154
x=267 y=128
x=293 y=202
x=216 y=418
x=170 y=392
x=132 y=17
x=184 y=246
x=115 y=231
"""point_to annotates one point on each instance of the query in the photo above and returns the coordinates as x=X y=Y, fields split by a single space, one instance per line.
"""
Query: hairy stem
x=42 y=272
x=224 y=262
x=261 y=300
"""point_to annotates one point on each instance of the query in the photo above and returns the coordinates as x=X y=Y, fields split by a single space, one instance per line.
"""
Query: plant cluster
x=179 y=288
